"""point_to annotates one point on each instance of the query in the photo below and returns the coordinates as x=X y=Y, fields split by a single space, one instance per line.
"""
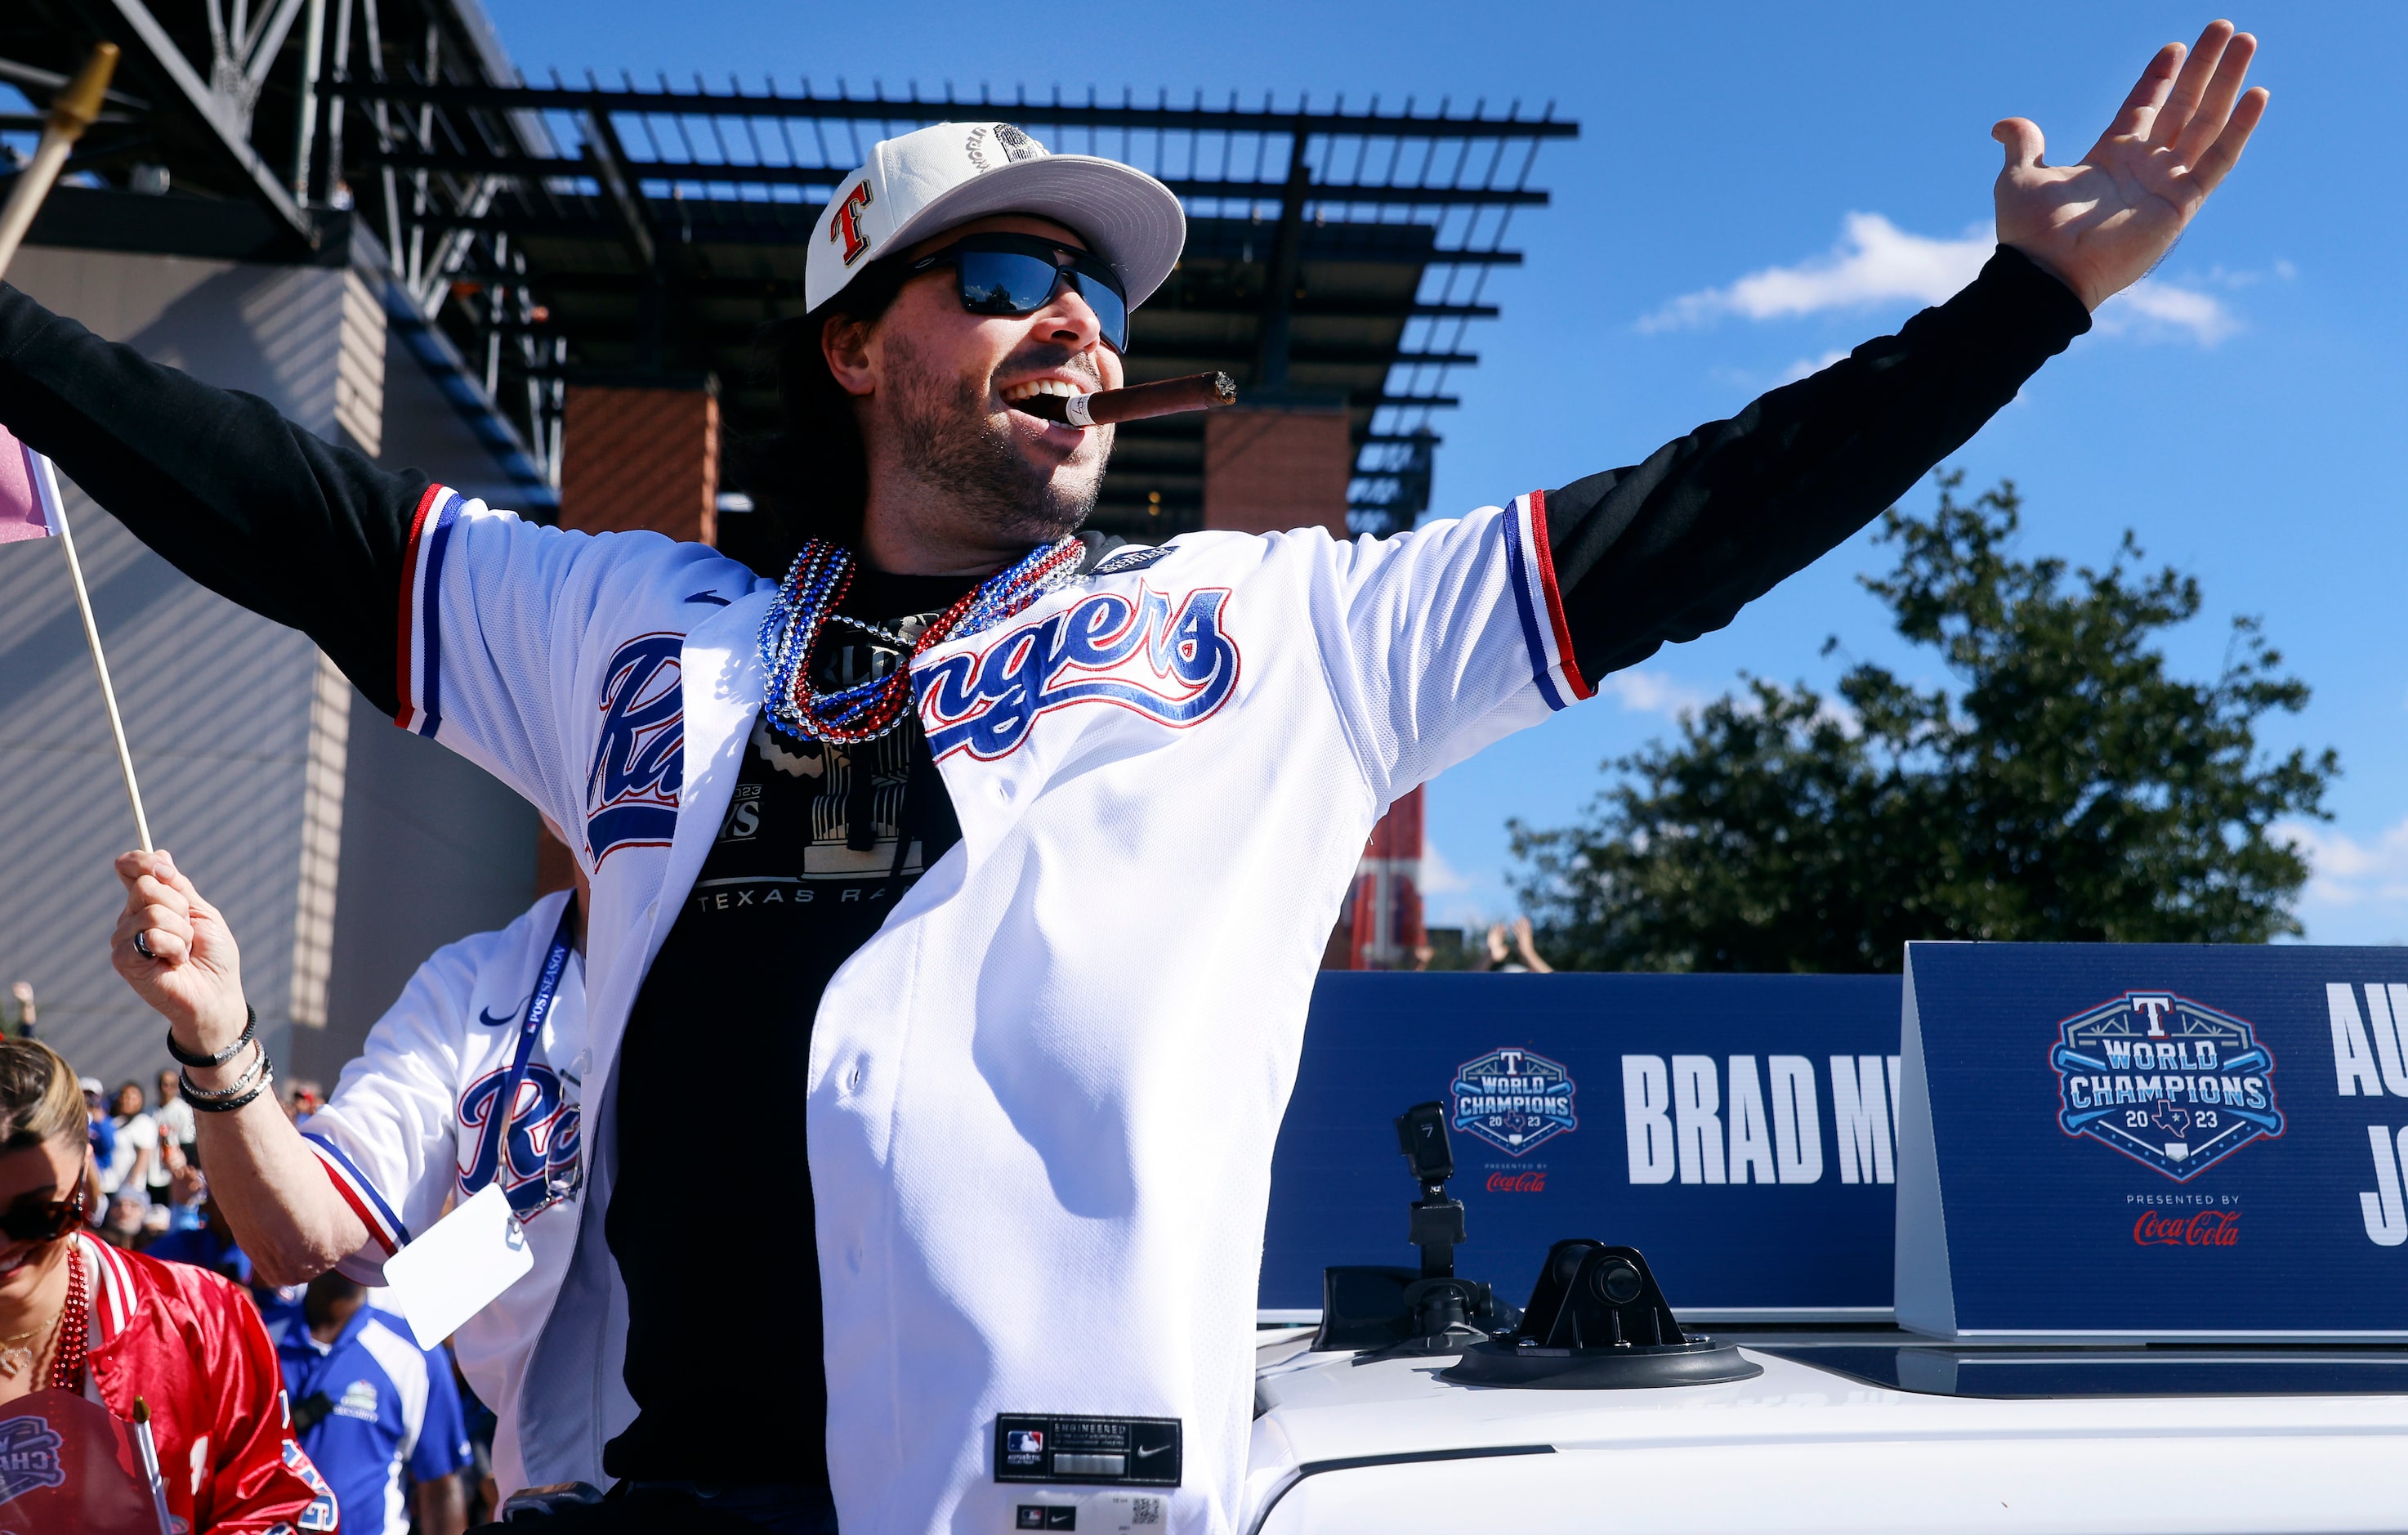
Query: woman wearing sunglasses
x=77 y=1315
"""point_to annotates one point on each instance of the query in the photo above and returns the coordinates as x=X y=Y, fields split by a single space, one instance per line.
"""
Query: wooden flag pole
x=58 y=510
x=72 y=110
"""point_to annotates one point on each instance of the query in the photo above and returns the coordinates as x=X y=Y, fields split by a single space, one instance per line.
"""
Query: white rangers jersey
x=1042 y=1098
x=405 y=1134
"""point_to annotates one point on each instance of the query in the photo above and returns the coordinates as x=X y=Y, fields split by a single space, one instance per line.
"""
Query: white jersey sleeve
x=385 y=1137
x=389 y=1136
x=507 y=630
x=1444 y=639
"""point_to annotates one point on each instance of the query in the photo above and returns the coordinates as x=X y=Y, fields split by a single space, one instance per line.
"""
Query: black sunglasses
x=1020 y=274
x=32 y=1219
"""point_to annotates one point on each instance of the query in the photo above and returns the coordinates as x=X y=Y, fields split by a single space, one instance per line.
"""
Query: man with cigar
x=1014 y=852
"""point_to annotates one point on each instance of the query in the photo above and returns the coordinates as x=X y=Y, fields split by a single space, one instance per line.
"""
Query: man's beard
x=948 y=442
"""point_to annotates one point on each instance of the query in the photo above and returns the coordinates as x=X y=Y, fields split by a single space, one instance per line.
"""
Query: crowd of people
x=394 y=1429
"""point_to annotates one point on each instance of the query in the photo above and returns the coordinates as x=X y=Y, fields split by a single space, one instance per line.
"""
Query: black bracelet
x=242 y=1084
x=186 y=1057
x=266 y=1080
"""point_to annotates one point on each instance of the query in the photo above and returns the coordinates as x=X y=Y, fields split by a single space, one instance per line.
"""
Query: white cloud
x=1808 y=366
x=1876 y=262
x=1645 y=692
x=1438 y=876
x=2152 y=306
x=2371 y=876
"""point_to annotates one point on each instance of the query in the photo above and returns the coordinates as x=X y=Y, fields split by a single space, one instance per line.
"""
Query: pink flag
x=29 y=492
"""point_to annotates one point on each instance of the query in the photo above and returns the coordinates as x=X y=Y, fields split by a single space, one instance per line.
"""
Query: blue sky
x=1757 y=187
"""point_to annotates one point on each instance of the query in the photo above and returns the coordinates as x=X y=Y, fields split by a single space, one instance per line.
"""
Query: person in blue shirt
x=375 y=1411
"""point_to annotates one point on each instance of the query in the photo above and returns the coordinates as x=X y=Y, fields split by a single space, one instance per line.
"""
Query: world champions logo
x=2172 y=1084
x=1516 y=1100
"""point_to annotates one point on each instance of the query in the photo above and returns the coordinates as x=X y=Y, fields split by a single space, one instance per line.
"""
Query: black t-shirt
x=710 y=1216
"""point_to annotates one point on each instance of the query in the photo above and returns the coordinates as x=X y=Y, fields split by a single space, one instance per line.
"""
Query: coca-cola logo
x=2205 y=1229
x=1533 y=1181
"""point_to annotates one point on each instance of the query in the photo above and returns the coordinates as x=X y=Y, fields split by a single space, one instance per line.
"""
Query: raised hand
x=2101 y=225
x=195 y=978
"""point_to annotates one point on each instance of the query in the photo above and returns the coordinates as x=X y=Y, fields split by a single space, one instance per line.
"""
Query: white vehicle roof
x=1388 y=1446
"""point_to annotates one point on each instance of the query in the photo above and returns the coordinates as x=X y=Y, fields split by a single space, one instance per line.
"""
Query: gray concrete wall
x=342 y=849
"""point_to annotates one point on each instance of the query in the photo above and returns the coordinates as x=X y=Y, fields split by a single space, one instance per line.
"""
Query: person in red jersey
x=79 y=1316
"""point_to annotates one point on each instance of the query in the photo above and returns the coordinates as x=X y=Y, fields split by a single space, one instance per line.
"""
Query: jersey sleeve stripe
x=360 y=1195
x=420 y=648
x=1542 y=547
x=1530 y=600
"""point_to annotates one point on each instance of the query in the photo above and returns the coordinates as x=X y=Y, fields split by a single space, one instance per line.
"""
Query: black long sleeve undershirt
x=257 y=510
x=1671 y=549
x=313 y=536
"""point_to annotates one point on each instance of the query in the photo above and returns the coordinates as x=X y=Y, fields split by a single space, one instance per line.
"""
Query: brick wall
x=641 y=458
x=1267 y=471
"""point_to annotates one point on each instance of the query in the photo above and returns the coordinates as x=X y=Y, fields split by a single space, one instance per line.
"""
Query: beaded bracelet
x=187 y=1057
x=215 y=1099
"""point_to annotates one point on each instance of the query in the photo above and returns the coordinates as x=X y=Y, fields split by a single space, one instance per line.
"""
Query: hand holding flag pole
x=30 y=503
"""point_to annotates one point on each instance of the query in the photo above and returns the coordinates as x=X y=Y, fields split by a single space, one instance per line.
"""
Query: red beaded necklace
x=74 y=1326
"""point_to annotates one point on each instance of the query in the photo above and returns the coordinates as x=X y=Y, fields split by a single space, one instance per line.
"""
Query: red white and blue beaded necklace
x=806 y=599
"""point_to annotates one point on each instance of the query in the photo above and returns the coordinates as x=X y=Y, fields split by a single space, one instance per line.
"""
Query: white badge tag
x=458 y=1267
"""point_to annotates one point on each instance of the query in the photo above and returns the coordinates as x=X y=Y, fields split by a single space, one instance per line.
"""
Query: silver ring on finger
x=142 y=944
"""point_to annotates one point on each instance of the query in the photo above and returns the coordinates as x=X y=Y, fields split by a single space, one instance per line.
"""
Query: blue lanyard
x=492 y=1142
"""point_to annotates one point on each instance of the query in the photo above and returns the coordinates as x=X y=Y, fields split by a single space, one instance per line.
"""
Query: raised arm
x=1671 y=549
x=290 y=1218
x=229 y=492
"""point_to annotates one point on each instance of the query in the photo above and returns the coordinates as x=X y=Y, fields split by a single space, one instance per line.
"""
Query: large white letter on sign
x=2353 y=1062
x=1860 y=1106
x=1751 y=1134
x=2386 y=1222
x=1646 y=1098
x=1696 y=1108
x=1796 y=1120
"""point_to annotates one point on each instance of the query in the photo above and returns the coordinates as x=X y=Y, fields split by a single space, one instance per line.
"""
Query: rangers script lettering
x=631 y=791
x=986 y=702
x=541 y=1143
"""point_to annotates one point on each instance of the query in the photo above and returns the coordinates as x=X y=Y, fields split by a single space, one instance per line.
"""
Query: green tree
x=2069 y=790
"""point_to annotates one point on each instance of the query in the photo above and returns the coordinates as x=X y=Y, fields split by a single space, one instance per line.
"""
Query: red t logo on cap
x=848 y=222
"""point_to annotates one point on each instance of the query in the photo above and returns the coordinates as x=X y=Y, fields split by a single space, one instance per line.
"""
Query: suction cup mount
x=1397 y=1313
x=1597 y=1321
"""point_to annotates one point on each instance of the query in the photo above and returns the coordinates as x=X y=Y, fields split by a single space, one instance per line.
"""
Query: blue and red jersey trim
x=360 y=1195
x=419 y=657
x=1530 y=565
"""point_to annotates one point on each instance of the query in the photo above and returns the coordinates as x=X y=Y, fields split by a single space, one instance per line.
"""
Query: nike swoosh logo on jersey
x=1156 y=1450
x=503 y=1022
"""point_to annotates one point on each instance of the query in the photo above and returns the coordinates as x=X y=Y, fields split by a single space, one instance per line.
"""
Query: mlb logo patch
x=2175 y=1085
x=1025 y=1442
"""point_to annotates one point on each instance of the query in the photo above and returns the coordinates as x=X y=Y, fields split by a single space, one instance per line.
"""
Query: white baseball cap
x=929 y=180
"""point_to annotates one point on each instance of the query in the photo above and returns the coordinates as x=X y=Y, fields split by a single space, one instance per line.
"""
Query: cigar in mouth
x=1196 y=392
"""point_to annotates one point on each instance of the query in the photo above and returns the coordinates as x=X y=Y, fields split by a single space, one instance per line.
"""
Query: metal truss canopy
x=563 y=230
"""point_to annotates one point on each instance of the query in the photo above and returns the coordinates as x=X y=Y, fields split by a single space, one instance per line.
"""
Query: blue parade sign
x=1736 y=1128
x=2161 y=1141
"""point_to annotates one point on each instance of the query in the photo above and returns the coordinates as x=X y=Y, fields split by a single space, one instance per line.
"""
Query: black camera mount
x=1397 y=1313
